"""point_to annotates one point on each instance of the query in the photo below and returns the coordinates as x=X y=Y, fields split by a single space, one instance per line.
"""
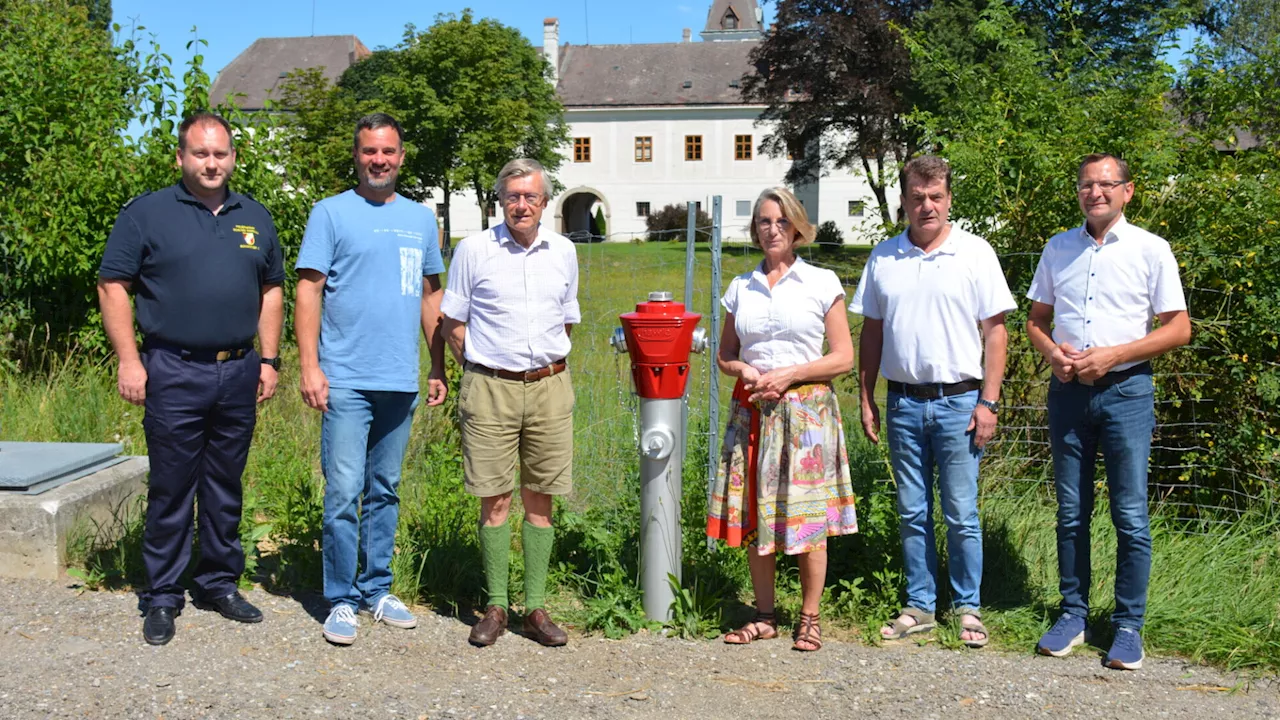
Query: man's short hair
x=521 y=167
x=925 y=169
x=792 y=209
x=1090 y=159
x=376 y=121
x=202 y=118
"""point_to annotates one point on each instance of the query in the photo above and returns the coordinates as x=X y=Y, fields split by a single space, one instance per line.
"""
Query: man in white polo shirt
x=511 y=299
x=1099 y=286
x=931 y=299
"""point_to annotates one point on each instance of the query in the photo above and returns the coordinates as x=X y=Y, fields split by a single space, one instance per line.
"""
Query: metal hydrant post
x=659 y=336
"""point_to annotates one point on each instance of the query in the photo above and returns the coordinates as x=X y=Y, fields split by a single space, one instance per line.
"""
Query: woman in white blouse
x=783 y=480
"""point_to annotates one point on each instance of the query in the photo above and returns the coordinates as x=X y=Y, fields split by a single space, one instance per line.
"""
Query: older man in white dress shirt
x=1100 y=285
x=509 y=305
x=933 y=298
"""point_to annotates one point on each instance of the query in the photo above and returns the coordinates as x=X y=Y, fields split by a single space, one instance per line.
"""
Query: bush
x=672 y=223
x=829 y=234
x=1014 y=128
x=66 y=168
x=601 y=227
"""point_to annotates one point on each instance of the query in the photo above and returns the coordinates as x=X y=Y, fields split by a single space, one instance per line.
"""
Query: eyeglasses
x=766 y=223
x=1106 y=186
x=529 y=198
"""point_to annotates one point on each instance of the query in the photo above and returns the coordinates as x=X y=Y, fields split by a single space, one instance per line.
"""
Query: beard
x=387 y=181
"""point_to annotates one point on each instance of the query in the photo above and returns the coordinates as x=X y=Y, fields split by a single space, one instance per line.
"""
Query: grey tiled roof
x=629 y=75
x=256 y=71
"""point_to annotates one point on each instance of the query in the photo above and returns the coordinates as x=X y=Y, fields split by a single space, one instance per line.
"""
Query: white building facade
x=650 y=125
x=664 y=124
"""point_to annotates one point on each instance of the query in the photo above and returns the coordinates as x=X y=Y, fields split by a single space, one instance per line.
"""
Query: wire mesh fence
x=1188 y=477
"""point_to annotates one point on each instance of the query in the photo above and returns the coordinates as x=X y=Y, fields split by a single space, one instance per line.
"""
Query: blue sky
x=230 y=26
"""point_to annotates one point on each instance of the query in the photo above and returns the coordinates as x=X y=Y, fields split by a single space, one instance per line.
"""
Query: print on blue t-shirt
x=373 y=258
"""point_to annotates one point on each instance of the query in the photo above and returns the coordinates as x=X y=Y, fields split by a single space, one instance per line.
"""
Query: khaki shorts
x=502 y=419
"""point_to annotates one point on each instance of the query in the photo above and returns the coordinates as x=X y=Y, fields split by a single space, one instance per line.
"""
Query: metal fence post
x=713 y=350
x=690 y=238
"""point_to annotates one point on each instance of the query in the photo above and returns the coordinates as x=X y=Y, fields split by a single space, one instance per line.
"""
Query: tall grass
x=1214 y=589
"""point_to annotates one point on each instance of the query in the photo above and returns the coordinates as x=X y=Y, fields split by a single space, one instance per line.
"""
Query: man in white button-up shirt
x=1100 y=285
x=932 y=298
x=511 y=299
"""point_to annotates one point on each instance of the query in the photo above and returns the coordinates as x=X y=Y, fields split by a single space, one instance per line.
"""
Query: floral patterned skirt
x=783 y=476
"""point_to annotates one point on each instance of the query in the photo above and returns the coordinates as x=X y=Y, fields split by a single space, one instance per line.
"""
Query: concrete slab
x=34 y=528
x=35 y=467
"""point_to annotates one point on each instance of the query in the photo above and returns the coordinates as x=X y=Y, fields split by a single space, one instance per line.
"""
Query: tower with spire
x=734 y=20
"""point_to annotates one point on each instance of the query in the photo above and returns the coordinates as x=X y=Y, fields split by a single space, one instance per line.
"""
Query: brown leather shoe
x=538 y=626
x=490 y=628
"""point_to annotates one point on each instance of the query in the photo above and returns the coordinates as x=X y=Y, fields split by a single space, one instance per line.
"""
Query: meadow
x=1215 y=585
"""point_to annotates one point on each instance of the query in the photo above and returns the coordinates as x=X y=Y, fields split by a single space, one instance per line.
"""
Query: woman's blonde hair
x=792 y=210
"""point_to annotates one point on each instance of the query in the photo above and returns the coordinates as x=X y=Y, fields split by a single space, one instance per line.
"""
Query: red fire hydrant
x=659 y=336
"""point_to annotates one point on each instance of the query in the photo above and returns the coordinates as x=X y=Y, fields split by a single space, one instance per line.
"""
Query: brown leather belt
x=554 y=368
x=933 y=391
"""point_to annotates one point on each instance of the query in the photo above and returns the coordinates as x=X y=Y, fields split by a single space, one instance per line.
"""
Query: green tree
x=600 y=227
x=99 y=12
x=65 y=168
x=1244 y=27
x=363 y=80
x=319 y=120
x=1014 y=126
x=672 y=223
x=66 y=165
x=472 y=96
x=1125 y=32
x=835 y=76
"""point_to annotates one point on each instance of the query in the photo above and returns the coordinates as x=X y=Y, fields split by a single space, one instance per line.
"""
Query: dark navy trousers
x=199 y=423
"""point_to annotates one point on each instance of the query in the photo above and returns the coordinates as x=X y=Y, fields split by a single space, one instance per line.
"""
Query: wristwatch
x=992 y=405
x=273 y=362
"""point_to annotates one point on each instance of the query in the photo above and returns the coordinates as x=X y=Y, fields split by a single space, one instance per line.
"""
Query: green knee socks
x=495 y=550
x=537 y=560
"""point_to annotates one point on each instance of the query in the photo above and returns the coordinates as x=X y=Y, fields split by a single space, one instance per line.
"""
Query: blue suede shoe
x=340 y=626
x=1126 y=650
x=1063 y=637
x=390 y=610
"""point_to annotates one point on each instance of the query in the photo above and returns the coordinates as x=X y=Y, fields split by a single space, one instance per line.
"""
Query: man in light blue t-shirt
x=365 y=260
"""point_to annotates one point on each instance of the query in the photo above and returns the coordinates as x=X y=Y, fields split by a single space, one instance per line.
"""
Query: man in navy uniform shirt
x=205 y=268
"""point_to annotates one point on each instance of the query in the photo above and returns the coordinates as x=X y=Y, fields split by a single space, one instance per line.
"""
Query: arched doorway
x=580 y=214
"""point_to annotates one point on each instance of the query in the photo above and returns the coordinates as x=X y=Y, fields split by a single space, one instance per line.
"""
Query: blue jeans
x=362 y=444
x=1119 y=420
x=924 y=434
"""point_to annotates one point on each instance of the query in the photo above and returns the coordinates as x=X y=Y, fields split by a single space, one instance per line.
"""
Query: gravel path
x=64 y=654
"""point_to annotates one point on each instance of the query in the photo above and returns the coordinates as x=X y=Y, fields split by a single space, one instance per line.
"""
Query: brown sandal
x=751 y=632
x=809 y=632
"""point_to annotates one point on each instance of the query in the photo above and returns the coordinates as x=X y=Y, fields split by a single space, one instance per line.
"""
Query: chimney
x=688 y=35
x=551 y=46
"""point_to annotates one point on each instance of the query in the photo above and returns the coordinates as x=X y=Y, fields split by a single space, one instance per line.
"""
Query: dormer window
x=729 y=21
